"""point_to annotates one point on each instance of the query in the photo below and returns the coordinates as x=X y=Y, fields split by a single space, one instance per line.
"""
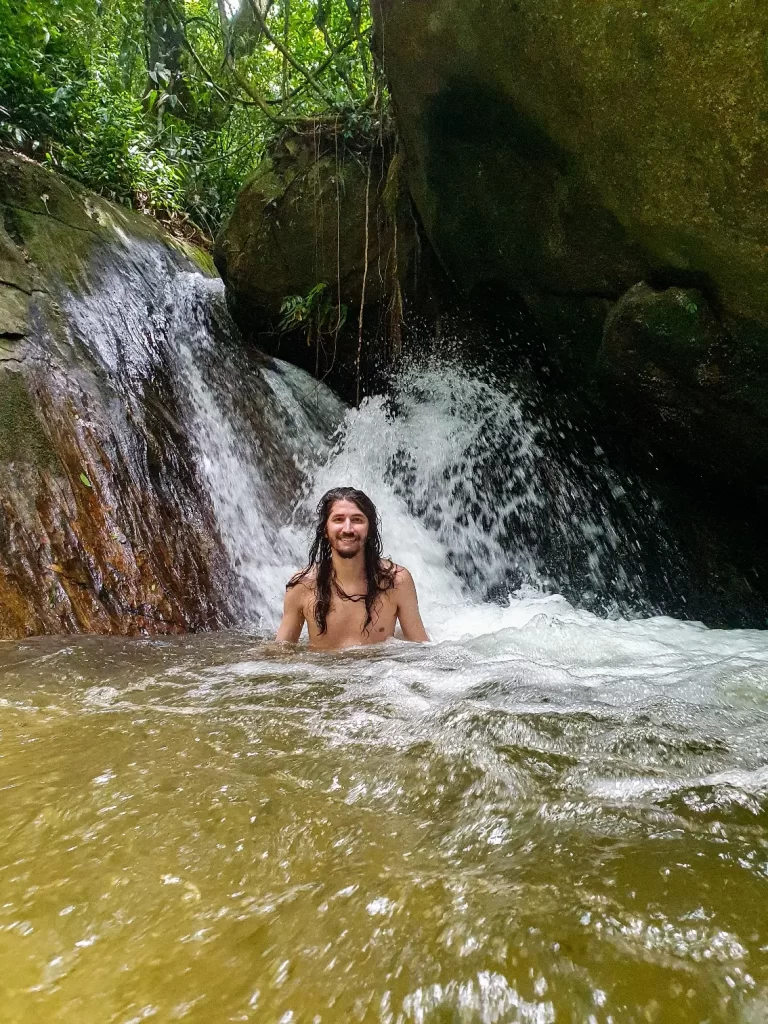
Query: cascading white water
x=424 y=454
x=246 y=463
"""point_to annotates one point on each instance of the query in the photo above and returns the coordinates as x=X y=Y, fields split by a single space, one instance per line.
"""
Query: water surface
x=559 y=819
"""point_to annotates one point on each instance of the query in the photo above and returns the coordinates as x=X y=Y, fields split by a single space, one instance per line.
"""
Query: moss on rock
x=23 y=438
x=60 y=229
x=14 y=312
x=202 y=260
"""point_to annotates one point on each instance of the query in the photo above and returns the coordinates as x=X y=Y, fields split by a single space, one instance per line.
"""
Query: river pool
x=547 y=817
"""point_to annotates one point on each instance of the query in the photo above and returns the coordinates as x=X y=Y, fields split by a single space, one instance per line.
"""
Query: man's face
x=346 y=529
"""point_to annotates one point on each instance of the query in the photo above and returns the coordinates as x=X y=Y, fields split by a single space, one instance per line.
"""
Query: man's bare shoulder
x=305 y=578
x=301 y=586
x=402 y=576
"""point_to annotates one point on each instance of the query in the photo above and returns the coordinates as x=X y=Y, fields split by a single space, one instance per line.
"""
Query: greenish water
x=560 y=820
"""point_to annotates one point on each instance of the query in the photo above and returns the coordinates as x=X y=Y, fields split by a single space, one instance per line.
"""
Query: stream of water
x=545 y=815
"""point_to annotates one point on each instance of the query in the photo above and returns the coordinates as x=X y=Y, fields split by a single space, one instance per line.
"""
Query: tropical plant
x=166 y=105
x=315 y=313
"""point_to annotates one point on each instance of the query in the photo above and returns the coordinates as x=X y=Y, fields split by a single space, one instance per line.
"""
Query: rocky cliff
x=570 y=152
x=102 y=525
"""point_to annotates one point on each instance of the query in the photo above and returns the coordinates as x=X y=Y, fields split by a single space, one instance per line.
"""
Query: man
x=348 y=594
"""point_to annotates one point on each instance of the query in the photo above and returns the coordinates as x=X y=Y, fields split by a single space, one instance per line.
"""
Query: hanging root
x=391 y=201
x=365 y=279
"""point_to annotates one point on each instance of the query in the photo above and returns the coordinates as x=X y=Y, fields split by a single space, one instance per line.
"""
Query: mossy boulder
x=304 y=217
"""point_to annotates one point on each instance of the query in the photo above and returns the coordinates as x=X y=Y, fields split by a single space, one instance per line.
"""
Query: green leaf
x=84 y=479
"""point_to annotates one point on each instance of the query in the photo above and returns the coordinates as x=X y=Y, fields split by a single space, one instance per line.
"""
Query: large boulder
x=567 y=150
x=576 y=145
x=303 y=218
x=321 y=251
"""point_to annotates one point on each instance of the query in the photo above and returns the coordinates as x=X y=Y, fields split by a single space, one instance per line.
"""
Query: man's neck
x=350 y=572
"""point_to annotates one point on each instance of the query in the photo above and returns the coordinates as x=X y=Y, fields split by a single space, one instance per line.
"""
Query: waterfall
x=259 y=426
x=476 y=498
x=206 y=459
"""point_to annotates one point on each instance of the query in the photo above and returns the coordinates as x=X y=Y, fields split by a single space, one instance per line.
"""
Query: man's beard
x=348 y=554
x=345 y=552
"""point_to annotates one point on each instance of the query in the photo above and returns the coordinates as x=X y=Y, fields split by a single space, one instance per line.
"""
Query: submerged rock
x=102 y=525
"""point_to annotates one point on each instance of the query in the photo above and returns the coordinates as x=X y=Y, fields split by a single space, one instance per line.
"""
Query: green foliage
x=315 y=312
x=166 y=105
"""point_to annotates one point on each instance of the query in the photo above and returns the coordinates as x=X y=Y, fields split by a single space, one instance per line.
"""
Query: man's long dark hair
x=379 y=574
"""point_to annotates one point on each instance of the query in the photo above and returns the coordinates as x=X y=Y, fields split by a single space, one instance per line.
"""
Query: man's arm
x=293 y=615
x=408 y=608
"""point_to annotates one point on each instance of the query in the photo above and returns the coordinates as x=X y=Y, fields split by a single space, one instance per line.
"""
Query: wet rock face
x=569 y=151
x=680 y=382
x=102 y=526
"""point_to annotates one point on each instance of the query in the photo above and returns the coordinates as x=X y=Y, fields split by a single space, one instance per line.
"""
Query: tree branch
x=321 y=22
x=286 y=36
x=192 y=52
x=304 y=71
x=363 y=48
x=256 y=96
x=318 y=71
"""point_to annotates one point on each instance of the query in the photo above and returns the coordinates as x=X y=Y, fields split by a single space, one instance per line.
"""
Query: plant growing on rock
x=315 y=313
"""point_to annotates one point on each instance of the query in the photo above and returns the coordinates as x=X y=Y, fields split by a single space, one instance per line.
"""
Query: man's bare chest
x=346 y=621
